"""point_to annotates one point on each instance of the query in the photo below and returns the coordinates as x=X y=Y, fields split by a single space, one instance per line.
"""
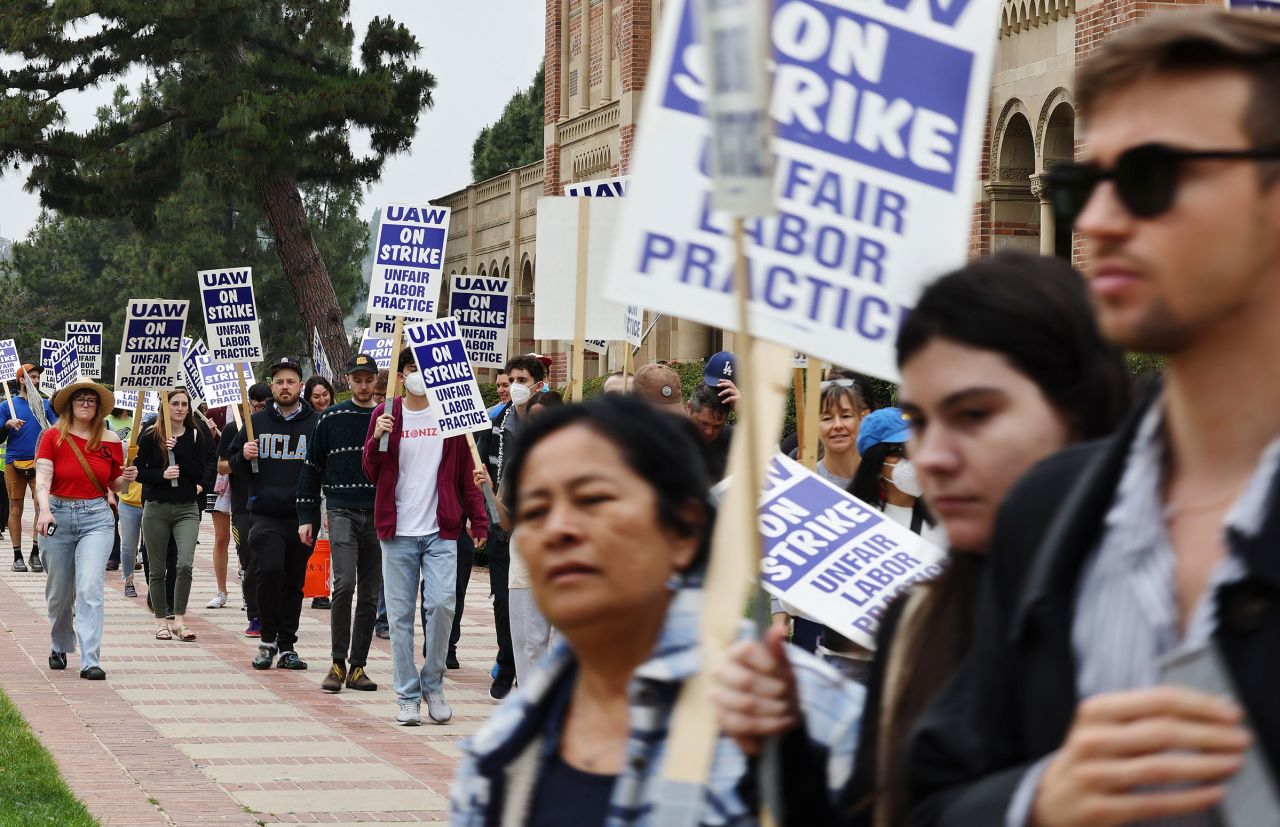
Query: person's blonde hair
x=63 y=425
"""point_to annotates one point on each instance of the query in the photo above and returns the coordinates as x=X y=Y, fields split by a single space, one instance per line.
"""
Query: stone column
x=566 y=41
x=1048 y=235
x=584 y=70
x=606 y=92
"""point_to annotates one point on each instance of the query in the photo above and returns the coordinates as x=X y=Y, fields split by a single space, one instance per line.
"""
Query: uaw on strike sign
x=878 y=108
x=230 y=314
x=408 y=261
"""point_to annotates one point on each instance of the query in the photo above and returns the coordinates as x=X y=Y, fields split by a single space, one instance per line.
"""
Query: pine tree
x=515 y=139
x=256 y=96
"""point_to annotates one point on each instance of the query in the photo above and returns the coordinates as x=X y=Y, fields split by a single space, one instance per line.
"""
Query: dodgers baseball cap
x=884 y=425
x=724 y=365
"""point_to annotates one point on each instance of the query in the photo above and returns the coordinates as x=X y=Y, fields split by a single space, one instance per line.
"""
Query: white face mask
x=520 y=394
x=905 y=478
x=415 y=384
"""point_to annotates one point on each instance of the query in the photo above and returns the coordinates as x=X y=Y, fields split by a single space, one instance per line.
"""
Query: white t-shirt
x=417 y=497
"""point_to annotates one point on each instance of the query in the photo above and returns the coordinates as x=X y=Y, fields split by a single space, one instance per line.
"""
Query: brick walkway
x=189 y=733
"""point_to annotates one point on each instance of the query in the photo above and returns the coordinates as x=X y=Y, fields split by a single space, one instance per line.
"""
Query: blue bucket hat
x=884 y=425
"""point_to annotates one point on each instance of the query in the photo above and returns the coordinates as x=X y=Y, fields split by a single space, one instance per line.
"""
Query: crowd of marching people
x=1098 y=650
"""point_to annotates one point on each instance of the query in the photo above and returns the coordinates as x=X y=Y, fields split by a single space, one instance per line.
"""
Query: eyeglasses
x=86 y=401
x=839 y=383
x=1146 y=178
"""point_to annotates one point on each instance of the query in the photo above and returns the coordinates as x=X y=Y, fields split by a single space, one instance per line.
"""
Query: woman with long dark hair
x=319 y=393
x=175 y=466
x=1002 y=365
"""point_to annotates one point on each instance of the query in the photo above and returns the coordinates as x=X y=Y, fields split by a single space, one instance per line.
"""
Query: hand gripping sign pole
x=397 y=342
x=247 y=409
x=166 y=428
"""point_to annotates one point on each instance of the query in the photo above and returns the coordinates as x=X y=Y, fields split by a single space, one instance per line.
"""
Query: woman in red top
x=77 y=460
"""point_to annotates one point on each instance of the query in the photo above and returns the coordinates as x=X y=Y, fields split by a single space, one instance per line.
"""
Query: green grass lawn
x=31 y=791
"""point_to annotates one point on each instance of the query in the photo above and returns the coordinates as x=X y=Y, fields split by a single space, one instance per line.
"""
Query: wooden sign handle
x=580 y=303
x=167 y=430
x=397 y=340
x=248 y=412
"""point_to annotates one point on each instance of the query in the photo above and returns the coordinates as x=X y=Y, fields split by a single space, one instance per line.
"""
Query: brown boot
x=332 y=682
x=359 y=680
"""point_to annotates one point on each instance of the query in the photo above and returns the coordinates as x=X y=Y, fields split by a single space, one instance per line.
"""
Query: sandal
x=164 y=634
x=184 y=634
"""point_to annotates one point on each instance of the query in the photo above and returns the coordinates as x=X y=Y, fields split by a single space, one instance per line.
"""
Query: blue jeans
x=406 y=561
x=130 y=534
x=74 y=558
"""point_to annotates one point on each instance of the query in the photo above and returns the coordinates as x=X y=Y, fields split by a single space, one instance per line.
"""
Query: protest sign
x=230 y=315
x=598 y=346
x=381 y=326
x=61 y=364
x=482 y=306
x=151 y=350
x=220 y=382
x=88 y=339
x=192 y=350
x=408 y=261
x=558 y=266
x=878 y=116
x=128 y=401
x=834 y=557
x=634 y=324
x=451 y=386
x=318 y=358
x=10 y=361
x=63 y=367
x=599 y=188
x=379 y=347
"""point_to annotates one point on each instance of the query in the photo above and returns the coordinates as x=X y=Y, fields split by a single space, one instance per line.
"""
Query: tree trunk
x=305 y=270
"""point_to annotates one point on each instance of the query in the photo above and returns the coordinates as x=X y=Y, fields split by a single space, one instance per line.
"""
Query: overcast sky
x=480 y=52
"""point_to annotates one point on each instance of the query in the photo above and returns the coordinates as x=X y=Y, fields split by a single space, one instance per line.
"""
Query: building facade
x=597 y=58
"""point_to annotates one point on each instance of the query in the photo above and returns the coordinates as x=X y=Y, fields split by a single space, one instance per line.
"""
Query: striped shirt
x=501 y=763
x=1126 y=616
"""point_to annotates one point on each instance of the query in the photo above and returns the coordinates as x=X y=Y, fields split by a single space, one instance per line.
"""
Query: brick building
x=1033 y=120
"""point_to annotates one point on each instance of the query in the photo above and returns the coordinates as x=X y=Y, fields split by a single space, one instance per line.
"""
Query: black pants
x=281 y=561
x=115 y=547
x=241 y=522
x=466 y=560
x=356 y=559
x=499 y=548
x=170 y=569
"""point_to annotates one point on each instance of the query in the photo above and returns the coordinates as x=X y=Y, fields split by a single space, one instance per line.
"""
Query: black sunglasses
x=1146 y=178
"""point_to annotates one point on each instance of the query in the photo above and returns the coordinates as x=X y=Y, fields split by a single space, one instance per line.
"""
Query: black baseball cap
x=284 y=363
x=362 y=362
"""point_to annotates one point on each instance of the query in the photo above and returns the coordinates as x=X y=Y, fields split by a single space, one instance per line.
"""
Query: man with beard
x=280 y=440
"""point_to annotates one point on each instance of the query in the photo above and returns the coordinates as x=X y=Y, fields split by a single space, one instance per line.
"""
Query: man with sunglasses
x=1125 y=646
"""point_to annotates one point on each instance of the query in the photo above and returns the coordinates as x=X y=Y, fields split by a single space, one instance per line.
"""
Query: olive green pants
x=160 y=521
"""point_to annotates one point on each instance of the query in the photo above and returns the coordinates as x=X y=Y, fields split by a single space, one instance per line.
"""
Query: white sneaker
x=438 y=708
x=410 y=713
x=219 y=600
